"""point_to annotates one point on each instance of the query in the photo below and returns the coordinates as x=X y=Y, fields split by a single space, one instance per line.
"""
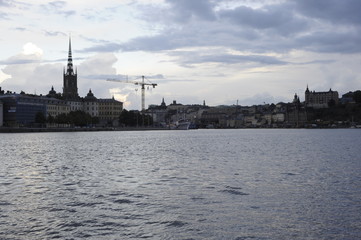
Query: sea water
x=196 y=184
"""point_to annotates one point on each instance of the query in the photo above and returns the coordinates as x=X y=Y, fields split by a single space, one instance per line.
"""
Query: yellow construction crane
x=142 y=83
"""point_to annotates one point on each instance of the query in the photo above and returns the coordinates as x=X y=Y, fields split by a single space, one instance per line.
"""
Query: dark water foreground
x=205 y=184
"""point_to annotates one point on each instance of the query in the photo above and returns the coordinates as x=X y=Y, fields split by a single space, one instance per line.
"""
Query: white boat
x=180 y=125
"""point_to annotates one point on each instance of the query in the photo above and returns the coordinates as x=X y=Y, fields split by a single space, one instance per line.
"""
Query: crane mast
x=142 y=84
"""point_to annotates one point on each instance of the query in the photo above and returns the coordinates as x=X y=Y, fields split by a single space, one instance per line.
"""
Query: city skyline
x=218 y=51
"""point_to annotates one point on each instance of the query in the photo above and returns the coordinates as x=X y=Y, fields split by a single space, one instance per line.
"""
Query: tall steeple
x=70 y=86
x=70 y=60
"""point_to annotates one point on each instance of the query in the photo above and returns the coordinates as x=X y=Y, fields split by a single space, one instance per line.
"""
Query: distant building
x=320 y=99
x=347 y=98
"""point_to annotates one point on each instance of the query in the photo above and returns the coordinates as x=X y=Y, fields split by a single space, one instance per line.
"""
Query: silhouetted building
x=320 y=99
x=70 y=84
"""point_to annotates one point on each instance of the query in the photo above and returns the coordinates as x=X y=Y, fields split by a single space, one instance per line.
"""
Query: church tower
x=70 y=85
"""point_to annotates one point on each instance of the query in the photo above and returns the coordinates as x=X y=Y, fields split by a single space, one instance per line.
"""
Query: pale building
x=57 y=107
x=91 y=105
x=75 y=105
x=109 y=111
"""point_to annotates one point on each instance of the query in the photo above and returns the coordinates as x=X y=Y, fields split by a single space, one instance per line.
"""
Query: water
x=202 y=184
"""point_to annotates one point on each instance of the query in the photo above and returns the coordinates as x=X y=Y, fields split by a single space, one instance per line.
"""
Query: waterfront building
x=21 y=109
x=320 y=99
x=55 y=107
x=109 y=111
x=91 y=105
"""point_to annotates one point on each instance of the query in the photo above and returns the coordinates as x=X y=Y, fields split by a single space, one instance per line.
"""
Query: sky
x=223 y=52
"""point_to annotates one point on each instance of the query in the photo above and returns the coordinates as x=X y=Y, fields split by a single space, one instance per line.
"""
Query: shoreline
x=34 y=130
x=38 y=130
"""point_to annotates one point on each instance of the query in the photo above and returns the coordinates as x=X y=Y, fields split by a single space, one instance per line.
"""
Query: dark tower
x=70 y=85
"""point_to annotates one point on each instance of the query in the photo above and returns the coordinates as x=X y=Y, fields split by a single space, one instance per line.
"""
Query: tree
x=357 y=96
x=128 y=118
x=50 y=119
x=331 y=103
x=62 y=118
x=135 y=118
x=40 y=118
x=79 y=118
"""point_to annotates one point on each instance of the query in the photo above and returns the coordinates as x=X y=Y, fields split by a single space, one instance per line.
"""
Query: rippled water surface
x=201 y=184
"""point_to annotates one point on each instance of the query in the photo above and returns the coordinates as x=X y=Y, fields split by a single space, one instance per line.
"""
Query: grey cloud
x=57 y=8
x=183 y=10
x=105 y=76
x=6 y=3
x=106 y=47
x=278 y=18
x=30 y=59
x=53 y=33
x=21 y=29
x=192 y=58
x=276 y=28
x=335 y=11
x=4 y=15
x=331 y=42
x=18 y=62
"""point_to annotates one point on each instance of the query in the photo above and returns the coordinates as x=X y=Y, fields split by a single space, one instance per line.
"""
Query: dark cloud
x=331 y=42
x=277 y=18
x=335 y=11
x=184 y=10
x=320 y=26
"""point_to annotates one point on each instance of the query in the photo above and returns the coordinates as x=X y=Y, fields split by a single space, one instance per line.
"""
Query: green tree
x=50 y=119
x=357 y=96
x=331 y=103
x=40 y=118
x=62 y=119
x=79 y=118
x=128 y=118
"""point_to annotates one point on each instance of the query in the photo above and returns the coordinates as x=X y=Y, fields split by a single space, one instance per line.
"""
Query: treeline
x=134 y=119
x=340 y=112
x=75 y=118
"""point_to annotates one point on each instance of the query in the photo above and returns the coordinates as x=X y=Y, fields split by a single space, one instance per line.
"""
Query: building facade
x=320 y=99
x=109 y=111
x=20 y=110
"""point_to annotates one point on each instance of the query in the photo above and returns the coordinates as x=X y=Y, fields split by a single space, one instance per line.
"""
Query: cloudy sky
x=220 y=51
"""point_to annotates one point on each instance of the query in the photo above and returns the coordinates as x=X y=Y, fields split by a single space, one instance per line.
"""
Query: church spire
x=70 y=85
x=70 y=60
